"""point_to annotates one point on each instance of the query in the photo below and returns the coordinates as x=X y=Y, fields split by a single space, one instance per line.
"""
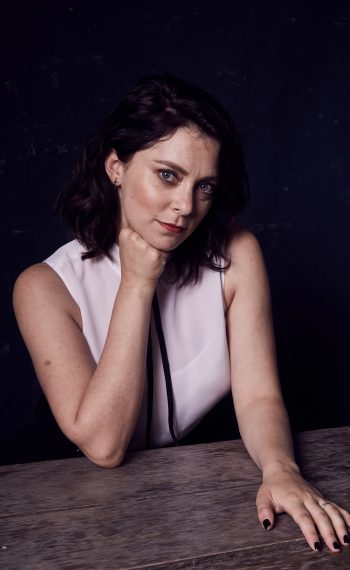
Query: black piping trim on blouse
x=167 y=374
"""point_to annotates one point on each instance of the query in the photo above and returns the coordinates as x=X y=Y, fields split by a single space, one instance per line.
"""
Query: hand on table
x=289 y=492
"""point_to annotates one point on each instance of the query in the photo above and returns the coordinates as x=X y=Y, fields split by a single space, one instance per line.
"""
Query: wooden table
x=186 y=507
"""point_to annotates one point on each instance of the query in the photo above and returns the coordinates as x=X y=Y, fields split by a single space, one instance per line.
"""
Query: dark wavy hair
x=152 y=110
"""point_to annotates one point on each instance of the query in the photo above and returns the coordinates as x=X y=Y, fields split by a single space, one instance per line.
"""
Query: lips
x=172 y=228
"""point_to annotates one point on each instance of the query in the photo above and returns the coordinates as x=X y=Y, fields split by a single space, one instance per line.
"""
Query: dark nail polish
x=317 y=546
x=336 y=545
x=266 y=524
x=346 y=539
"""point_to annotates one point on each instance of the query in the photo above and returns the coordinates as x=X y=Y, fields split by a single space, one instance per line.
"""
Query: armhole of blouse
x=222 y=280
x=66 y=282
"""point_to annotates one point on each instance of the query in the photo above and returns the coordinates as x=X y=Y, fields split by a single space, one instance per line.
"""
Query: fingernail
x=336 y=545
x=346 y=539
x=317 y=546
x=266 y=524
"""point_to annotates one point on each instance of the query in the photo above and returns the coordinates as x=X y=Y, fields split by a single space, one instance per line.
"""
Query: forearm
x=265 y=431
x=110 y=405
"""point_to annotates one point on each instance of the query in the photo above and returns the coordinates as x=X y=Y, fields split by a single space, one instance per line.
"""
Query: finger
x=338 y=523
x=307 y=526
x=329 y=523
x=265 y=509
x=346 y=516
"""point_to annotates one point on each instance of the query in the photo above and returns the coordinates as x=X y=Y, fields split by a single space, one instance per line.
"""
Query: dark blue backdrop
x=282 y=70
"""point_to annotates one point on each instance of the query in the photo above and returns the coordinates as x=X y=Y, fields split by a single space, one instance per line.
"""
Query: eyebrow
x=179 y=168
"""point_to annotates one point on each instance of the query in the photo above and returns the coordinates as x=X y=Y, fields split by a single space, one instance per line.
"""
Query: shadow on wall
x=311 y=317
x=311 y=344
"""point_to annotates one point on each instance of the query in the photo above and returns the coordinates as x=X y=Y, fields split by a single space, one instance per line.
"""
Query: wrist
x=278 y=466
x=134 y=288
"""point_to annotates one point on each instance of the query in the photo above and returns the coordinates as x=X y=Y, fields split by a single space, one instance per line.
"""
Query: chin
x=165 y=243
x=165 y=247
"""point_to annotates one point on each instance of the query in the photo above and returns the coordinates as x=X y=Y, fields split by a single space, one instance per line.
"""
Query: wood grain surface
x=173 y=508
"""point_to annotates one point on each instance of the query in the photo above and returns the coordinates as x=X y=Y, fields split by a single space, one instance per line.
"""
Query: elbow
x=100 y=449
x=106 y=461
x=102 y=457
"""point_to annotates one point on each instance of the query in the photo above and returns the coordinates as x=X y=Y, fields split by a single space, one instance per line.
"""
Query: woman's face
x=166 y=190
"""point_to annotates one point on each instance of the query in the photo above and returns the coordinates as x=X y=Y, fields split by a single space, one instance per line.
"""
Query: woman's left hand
x=287 y=491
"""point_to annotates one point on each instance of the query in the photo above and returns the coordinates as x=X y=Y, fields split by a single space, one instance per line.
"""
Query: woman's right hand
x=140 y=262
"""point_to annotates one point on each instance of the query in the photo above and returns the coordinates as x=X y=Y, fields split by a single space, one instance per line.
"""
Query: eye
x=206 y=187
x=167 y=175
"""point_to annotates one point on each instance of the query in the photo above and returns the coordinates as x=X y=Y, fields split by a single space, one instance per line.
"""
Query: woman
x=126 y=325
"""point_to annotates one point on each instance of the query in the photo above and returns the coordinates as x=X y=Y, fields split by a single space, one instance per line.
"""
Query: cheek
x=146 y=197
x=142 y=194
x=203 y=208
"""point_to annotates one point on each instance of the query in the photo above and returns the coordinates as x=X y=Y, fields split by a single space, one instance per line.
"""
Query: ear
x=114 y=168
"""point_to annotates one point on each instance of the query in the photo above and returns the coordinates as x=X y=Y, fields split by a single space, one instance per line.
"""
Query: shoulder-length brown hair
x=152 y=110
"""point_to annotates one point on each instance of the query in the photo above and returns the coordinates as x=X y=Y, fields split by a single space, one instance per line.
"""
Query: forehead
x=188 y=147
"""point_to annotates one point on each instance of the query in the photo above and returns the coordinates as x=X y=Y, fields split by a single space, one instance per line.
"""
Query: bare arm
x=95 y=406
x=255 y=386
x=260 y=410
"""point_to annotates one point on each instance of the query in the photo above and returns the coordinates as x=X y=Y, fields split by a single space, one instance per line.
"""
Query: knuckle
x=153 y=254
x=292 y=496
x=302 y=518
x=124 y=232
x=262 y=510
x=323 y=516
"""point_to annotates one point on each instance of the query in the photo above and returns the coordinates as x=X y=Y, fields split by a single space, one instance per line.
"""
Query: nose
x=183 y=200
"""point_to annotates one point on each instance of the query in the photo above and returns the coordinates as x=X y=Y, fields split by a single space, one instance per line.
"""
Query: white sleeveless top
x=193 y=319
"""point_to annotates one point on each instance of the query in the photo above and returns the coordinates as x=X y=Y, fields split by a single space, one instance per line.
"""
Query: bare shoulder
x=247 y=267
x=243 y=247
x=50 y=324
x=39 y=286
